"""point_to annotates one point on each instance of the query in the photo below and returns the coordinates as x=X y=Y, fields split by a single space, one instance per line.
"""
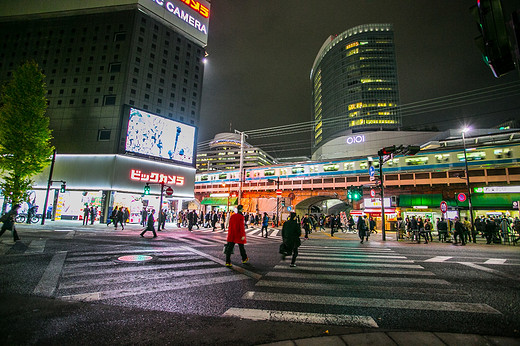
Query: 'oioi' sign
x=355 y=139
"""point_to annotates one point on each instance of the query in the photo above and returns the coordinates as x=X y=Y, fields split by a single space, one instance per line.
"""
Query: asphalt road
x=65 y=283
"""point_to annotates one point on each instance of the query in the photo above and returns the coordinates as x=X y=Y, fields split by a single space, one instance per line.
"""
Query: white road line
x=372 y=302
x=361 y=287
x=340 y=249
x=153 y=288
x=219 y=261
x=274 y=233
x=350 y=255
x=489 y=270
x=352 y=259
x=119 y=269
x=89 y=259
x=36 y=246
x=166 y=250
x=302 y=317
x=49 y=281
x=358 y=270
x=140 y=277
x=359 y=264
x=352 y=278
x=438 y=259
x=496 y=261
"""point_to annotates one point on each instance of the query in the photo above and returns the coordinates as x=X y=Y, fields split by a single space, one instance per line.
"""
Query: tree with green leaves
x=25 y=147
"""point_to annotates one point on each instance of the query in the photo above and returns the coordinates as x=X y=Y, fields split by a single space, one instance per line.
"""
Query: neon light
x=185 y=16
x=154 y=177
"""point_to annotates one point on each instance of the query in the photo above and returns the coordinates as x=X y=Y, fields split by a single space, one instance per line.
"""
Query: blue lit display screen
x=152 y=135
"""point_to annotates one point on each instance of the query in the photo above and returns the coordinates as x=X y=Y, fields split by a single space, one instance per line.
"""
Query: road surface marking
x=153 y=288
x=36 y=246
x=359 y=270
x=489 y=270
x=371 y=302
x=361 y=287
x=359 y=264
x=438 y=259
x=496 y=261
x=140 y=277
x=331 y=259
x=302 y=317
x=351 y=278
x=350 y=255
x=49 y=281
x=241 y=270
x=137 y=267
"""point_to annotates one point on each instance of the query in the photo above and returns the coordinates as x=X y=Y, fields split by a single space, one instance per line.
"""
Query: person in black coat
x=9 y=220
x=291 y=232
x=150 y=224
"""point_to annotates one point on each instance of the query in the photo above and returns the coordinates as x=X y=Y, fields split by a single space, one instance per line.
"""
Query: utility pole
x=241 y=175
x=49 y=183
x=381 y=178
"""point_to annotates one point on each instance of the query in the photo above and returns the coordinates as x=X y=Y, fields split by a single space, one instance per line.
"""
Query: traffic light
x=63 y=187
x=283 y=202
x=493 y=40
x=387 y=150
x=147 y=189
x=355 y=193
x=358 y=193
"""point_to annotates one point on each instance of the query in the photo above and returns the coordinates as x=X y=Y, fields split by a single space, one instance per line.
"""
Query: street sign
x=371 y=172
x=461 y=197
x=168 y=191
x=444 y=207
x=372 y=193
x=278 y=193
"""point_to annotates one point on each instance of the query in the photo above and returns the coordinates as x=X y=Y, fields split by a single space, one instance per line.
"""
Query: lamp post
x=229 y=193
x=470 y=207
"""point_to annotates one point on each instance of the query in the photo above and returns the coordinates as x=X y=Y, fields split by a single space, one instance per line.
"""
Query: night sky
x=261 y=53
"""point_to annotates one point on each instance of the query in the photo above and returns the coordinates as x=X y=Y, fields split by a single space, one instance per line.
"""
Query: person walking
x=291 y=233
x=119 y=218
x=150 y=224
x=86 y=213
x=459 y=231
x=236 y=235
x=113 y=217
x=9 y=221
x=214 y=220
x=144 y=216
x=332 y=223
x=265 y=223
x=306 y=225
x=93 y=214
x=362 y=227
x=371 y=227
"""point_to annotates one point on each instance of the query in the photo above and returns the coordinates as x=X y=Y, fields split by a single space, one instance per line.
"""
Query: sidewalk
x=401 y=338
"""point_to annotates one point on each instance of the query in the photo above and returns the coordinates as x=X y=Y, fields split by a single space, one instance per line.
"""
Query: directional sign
x=371 y=172
x=168 y=191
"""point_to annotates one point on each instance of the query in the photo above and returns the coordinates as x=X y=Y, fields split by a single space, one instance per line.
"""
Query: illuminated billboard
x=151 y=135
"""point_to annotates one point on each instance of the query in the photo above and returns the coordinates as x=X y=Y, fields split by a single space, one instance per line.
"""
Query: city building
x=354 y=84
x=104 y=63
x=224 y=154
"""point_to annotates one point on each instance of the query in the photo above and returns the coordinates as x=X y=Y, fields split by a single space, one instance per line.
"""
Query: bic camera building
x=354 y=87
x=124 y=88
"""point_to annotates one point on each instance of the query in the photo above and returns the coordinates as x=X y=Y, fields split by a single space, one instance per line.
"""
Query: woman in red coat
x=236 y=235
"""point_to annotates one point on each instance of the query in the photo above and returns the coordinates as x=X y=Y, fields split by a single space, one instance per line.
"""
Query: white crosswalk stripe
x=102 y=276
x=328 y=280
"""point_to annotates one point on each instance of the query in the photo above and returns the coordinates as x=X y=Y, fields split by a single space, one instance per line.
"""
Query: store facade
x=108 y=181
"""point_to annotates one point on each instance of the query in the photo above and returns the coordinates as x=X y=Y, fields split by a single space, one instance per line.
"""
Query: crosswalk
x=208 y=237
x=350 y=285
x=100 y=276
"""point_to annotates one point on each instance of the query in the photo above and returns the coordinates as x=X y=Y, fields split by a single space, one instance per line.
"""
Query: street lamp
x=470 y=207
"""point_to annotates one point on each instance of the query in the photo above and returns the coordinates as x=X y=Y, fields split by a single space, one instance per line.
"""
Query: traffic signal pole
x=381 y=178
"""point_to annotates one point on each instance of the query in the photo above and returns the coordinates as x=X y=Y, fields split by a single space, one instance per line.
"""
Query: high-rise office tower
x=354 y=83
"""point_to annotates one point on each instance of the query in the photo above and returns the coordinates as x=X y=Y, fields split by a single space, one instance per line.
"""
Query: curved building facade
x=354 y=83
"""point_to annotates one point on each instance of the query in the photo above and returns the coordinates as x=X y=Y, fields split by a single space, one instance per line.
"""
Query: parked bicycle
x=31 y=215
